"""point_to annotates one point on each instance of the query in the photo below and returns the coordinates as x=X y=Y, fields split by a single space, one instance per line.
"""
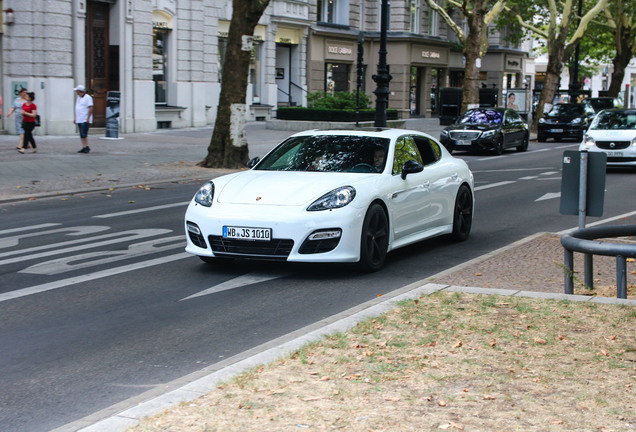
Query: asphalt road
x=99 y=303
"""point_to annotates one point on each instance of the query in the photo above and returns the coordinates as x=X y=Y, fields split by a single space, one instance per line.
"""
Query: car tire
x=499 y=146
x=524 y=144
x=374 y=239
x=462 y=214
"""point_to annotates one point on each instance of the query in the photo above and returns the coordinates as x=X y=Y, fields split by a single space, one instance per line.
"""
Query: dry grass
x=450 y=361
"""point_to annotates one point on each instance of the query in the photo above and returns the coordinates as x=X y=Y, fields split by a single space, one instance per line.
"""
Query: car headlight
x=335 y=199
x=588 y=142
x=577 y=121
x=205 y=195
x=444 y=133
x=541 y=120
x=488 y=134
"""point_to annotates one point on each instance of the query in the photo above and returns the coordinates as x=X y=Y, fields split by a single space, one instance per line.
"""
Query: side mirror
x=411 y=167
x=252 y=162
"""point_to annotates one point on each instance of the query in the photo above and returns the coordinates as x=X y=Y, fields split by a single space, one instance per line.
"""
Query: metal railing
x=585 y=241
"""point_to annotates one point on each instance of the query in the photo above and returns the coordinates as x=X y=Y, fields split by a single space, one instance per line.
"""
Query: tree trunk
x=470 y=93
x=552 y=77
x=228 y=146
x=624 y=42
x=472 y=52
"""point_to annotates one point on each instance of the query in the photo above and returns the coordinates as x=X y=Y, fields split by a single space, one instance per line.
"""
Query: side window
x=429 y=150
x=405 y=149
x=513 y=117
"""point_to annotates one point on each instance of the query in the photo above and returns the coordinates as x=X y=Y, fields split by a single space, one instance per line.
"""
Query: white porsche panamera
x=334 y=196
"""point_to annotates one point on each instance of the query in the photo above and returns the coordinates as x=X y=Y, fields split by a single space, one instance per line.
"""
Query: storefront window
x=160 y=63
x=337 y=77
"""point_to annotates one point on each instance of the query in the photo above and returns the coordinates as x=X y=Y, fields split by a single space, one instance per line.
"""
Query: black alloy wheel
x=374 y=240
x=499 y=146
x=524 y=144
x=462 y=214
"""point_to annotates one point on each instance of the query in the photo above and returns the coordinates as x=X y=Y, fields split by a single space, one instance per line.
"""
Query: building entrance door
x=97 y=48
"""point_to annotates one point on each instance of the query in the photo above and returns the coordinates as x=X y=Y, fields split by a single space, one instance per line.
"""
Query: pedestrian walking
x=16 y=108
x=29 y=112
x=83 y=116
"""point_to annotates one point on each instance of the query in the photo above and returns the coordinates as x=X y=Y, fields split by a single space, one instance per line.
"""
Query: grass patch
x=452 y=361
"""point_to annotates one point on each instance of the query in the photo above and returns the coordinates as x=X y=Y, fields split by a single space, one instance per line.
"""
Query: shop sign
x=161 y=20
x=339 y=50
x=431 y=54
x=513 y=63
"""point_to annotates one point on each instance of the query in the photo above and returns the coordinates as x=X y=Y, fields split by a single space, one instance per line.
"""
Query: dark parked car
x=565 y=120
x=486 y=129
x=601 y=103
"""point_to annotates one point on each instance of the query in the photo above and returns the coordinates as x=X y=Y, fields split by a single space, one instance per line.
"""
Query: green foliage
x=337 y=101
x=335 y=115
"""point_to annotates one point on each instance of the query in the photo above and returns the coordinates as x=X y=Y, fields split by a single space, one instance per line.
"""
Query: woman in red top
x=29 y=111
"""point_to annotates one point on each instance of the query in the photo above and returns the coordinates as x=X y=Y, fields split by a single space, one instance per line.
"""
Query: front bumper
x=291 y=230
x=560 y=130
x=477 y=144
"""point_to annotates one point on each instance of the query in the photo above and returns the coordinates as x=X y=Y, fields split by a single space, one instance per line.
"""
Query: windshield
x=566 y=110
x=599 y=104
x=328 y=153
x=481 y=116
x=615 y=120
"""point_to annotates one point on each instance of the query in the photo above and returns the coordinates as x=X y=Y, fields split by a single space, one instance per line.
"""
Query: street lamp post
x=383 y=77
x=360 y=71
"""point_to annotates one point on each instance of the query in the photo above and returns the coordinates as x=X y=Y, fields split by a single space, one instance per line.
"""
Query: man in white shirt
x=83 y=115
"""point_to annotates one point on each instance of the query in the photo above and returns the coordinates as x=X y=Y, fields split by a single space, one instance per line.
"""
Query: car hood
x=472 y=126
x=281 y=188
x=612 y=135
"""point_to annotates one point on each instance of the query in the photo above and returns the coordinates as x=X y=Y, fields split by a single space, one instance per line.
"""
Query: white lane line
x=28 y=228
x=238 y=282
x=90 y=276
x=147 y=209
x=492 y=185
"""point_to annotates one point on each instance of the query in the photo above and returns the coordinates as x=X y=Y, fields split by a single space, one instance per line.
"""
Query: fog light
x=325 y=235
x=193 y=228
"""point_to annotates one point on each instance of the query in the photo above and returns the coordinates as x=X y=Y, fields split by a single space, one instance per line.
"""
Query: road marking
x=90 y=276
x=147 y=209
x=241 y=281
x=492 y=185
x=549 y=195
x=59 y=247
x=84 y=260
x=29 y=228
x=74 y=231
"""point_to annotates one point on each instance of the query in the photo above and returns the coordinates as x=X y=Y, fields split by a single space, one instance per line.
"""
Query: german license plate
x=464 y=142
x=247 y=233
x=615 y=153
x=556 y=130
